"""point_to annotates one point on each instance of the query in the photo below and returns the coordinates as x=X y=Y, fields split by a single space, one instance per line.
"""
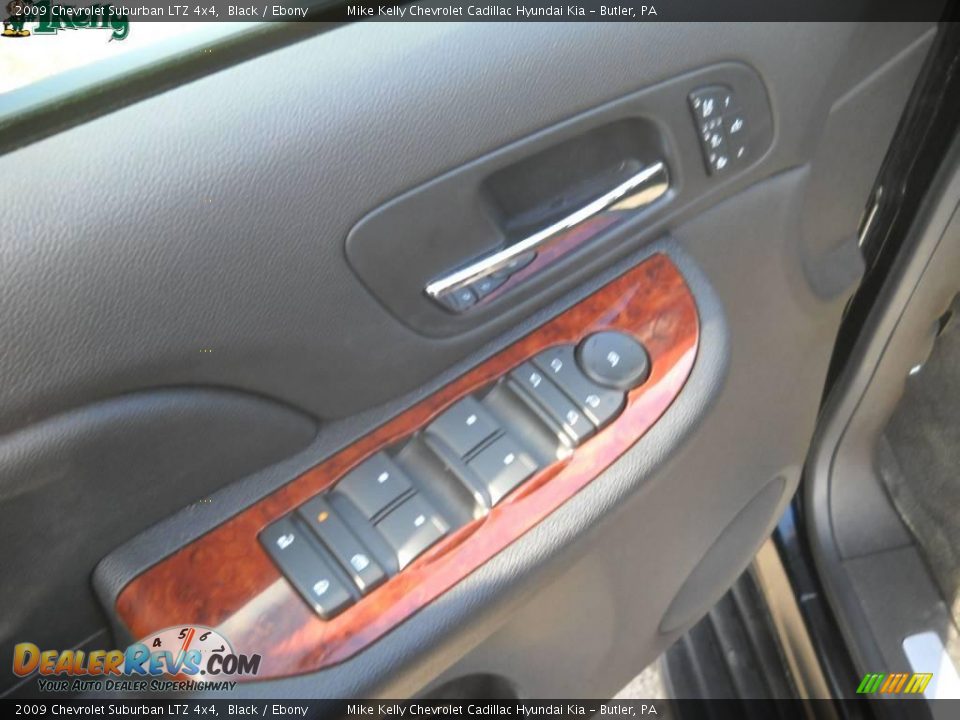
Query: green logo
x=52 y=18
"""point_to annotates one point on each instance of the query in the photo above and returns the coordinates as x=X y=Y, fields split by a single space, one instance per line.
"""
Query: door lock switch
x=458 y=300
x=487 y=285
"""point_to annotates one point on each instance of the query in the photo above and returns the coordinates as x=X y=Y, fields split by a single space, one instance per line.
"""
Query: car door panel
x=211 y=247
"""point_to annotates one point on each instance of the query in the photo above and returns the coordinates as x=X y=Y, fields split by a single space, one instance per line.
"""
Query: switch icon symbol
x=285 y=541
x=320 y=587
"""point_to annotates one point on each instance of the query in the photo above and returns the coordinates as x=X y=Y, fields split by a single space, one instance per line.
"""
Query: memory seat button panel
x=722 y=128
x=391 y=508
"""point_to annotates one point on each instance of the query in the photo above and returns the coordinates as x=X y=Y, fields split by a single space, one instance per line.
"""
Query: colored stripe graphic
x=894 y=683
x=918 y=683
x=870 y=683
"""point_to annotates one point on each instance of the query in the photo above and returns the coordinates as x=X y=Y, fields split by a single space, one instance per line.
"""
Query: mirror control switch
x=305 y=568
x=614 y=359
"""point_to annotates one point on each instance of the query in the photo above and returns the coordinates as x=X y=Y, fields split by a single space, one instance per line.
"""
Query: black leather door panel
x=188 y=294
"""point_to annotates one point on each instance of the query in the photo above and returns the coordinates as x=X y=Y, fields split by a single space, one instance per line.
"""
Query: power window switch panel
x=411 y=528
x=554 y=403
x=346 y=548
x=374 y=484
x=464 y=426
x=502 y=466
x=305 y=568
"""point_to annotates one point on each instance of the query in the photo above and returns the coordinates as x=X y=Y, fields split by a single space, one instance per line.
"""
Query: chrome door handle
x=468 y=286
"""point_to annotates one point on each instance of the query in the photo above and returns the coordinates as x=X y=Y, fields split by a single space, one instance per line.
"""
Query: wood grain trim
x=225 y=580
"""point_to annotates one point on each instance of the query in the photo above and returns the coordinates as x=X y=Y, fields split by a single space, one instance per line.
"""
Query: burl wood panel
x=225 y=579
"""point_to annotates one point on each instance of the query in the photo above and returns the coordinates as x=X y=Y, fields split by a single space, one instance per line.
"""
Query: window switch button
x=464 y=426
x=374 y=484
x=306 y=569
x=412 y=527
x=502 y=466
x=343 y=544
